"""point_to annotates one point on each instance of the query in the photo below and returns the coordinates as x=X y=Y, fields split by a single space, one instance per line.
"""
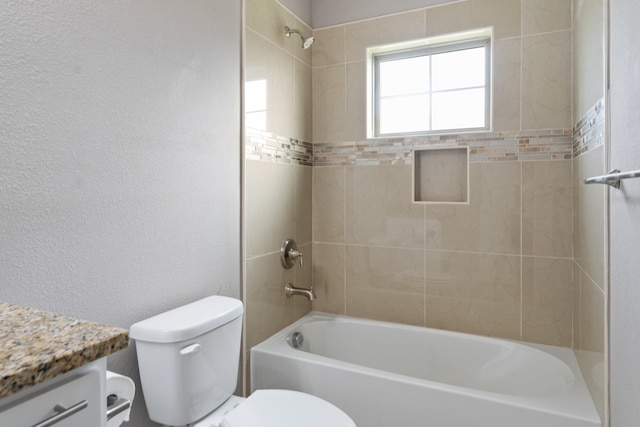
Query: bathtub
x=389 y=375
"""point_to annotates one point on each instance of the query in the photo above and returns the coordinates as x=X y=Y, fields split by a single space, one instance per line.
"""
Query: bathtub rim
x=577 y=397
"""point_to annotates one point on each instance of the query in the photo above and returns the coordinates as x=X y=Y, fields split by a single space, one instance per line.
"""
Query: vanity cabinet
x=75 y=399
x=53 y=368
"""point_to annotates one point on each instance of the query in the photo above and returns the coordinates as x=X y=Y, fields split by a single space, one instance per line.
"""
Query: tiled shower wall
x=278 y=174
x=500 y=265
x=503 y=265
x=589 y=201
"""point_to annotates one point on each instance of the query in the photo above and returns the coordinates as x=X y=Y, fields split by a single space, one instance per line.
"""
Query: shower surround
x=499 y=266
x=502 y=265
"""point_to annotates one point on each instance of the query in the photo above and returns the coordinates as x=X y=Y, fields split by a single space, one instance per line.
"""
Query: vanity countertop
x=36 y=345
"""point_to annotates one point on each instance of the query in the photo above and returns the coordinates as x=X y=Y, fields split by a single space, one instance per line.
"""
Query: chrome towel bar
x=613 y=178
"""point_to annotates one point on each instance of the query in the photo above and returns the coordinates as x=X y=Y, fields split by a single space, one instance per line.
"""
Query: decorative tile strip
x=266 y=146
x=589 y=131
x=546 y=144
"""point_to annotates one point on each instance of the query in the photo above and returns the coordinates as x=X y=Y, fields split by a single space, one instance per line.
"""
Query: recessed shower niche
x=441 y=175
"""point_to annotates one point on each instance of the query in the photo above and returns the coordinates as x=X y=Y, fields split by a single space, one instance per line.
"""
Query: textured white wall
x=325 y=13
x=624 y=216
x=119 y=158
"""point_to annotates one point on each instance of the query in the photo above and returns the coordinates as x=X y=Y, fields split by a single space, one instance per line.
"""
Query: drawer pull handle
x=62 y=413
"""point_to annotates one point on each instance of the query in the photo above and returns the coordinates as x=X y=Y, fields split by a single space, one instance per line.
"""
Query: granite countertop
x=36 y=345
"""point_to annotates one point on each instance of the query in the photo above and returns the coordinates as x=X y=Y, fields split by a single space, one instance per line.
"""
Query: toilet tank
x=188 y=358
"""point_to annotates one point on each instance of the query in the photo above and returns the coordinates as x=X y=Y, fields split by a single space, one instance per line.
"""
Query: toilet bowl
x=188 y=361
x=277 y=408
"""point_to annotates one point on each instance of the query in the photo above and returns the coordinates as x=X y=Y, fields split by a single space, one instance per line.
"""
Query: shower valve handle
x=294 y=254
x=289 y=254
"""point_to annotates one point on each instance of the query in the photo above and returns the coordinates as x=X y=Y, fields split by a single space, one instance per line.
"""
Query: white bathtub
x=389 y=375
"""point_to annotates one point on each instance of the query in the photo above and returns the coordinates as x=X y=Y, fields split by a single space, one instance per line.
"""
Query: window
x=431 y=89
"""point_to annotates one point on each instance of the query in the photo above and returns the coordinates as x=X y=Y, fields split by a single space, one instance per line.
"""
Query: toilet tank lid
x=188 y=321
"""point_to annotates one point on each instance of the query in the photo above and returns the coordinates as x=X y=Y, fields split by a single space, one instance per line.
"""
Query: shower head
x=306 y=41
x=306 y=44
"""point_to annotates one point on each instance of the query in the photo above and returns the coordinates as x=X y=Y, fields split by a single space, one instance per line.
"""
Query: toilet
x=188 y=361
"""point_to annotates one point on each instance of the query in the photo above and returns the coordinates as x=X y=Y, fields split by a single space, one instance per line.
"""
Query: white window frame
x=427 y=48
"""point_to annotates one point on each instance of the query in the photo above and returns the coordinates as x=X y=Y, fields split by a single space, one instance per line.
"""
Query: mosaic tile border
x=547 y=144
x=266 y=146
x=589 y=131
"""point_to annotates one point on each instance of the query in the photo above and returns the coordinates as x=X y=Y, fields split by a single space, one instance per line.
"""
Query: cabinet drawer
x=46 y=403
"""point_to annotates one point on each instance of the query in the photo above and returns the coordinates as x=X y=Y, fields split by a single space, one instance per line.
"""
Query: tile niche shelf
x=441 y=175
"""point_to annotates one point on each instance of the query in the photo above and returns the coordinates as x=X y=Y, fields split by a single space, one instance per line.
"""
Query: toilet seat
x=286 y=408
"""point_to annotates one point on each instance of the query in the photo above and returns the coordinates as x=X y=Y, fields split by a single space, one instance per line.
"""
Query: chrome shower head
x=306 y=41
x=306 y=44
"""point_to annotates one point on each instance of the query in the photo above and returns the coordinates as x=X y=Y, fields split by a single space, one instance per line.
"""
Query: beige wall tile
x=591 y=202
x=547 y=294
x=303 y=277
x=304 y=55
x=380 y=273
x=329 y=46
x=302 y=208
x=592 y=315
x=356 y=102
x=329 y=278
x=379 y=208
x=490 y=222
x=577 y=188
x=588 y=56
x=542 y=16
x=247 y=375
x=328 y=204
x=329 y=104
x=380 y=31
x=303 y=103
x=268 y=18
x=473 y=293
x=546 y=81
x=547 y=208
x=385 y=284
x=576 y=305
x=269 y=208
x=503 y=15
x=506 y=84
x=270 y=63
x=267 y=308
x=590 y=355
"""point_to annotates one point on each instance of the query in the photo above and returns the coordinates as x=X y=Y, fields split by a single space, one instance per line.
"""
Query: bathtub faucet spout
x=291 y=290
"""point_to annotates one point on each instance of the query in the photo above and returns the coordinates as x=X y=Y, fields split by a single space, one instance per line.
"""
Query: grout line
x=344 y=41
x=521 y=65
x=344 y=213
x=424 y=266
x=563 y=30
x=521 y=256
x=292 y=54
x=365 y=245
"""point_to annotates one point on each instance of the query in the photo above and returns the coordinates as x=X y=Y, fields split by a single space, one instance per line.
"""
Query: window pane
x=404 y=76
x=458 y=69
x=404 y=114
x=461 y=109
